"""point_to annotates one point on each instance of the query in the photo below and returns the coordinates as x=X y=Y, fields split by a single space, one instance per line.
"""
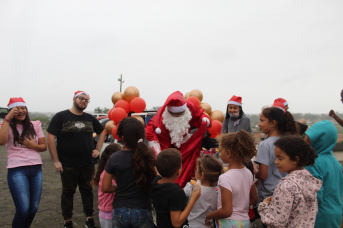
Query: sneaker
x=90 y=223
x=68 y=224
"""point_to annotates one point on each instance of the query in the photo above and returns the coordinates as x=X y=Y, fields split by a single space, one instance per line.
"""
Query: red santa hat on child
x=16 y=101
x=235 y=100
x=283 y=101
x=279 y=104
x=77 y=93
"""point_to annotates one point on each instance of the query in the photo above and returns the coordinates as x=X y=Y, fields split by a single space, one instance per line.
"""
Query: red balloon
x=118 y=114
x=109 y=114
x=194 y=100
x=114 y=133
x=137 y=105
x=215 y=129
x=124 y=105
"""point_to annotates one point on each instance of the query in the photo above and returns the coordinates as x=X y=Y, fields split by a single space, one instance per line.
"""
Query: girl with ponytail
x=275 y=122
x=133 y=169
x=236 y=189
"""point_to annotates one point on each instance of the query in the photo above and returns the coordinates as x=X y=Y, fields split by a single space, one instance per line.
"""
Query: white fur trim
x=280 y=108
x=204 y=119
x=81 y=93
x=234 y=102
x=158 y=131
x=177 y=109
x=286 y=103
x=17 y=104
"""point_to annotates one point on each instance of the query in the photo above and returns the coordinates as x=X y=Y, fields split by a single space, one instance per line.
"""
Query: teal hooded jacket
x=323 y=136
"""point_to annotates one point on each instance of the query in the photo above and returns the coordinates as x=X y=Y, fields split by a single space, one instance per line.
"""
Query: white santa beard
x=177 y=126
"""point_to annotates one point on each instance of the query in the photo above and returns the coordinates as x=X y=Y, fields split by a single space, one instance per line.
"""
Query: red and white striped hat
x=283 y=101
x=16 y=101
x=235 y=100
x=280 y=105
x=77 y=93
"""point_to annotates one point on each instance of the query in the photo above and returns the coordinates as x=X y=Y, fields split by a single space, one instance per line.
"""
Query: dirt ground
x=49 y=212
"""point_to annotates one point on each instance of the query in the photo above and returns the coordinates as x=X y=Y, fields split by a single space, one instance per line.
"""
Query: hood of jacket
x=323 y=136
x=308 y=184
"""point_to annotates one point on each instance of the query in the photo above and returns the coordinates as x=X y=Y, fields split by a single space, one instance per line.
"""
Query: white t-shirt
x=207 y=202
x=239 y=182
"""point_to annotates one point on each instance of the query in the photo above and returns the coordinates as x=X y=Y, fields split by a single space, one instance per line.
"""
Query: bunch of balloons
x=217 y=116
x=123 y=104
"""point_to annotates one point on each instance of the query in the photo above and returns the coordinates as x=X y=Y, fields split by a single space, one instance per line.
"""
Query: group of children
x=291 y=182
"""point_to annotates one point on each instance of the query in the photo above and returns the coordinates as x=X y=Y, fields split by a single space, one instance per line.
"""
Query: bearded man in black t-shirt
x=74 y=156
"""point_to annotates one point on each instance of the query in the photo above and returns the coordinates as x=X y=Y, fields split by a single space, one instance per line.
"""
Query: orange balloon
x=215 y=129
x=217 y=115
x=130 y=93
x=124 y=105
x=194 y=100
x=137 y=105
x=114 y=133
x=117 y=96
x=196 y=93
x=207 y=108
x=118 y=114
x=140 y=119
x=187 y=95
x=109 y=126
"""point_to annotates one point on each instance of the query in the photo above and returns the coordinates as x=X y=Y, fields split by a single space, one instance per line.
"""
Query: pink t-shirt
x=18 y=156
x=239 y=182
x=105 y=202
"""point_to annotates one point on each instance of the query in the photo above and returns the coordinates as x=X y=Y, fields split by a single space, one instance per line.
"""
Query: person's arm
x=267 y=211
x=226 y=210
x=99 y=144
x=107 y=185
x=179 y=217
x=31 y=144
x=261 y=171
x=333 y=115
x=53 y=152
x=5 y=126
x=253 y=195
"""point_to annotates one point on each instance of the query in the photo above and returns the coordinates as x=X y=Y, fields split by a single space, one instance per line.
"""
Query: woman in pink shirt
x=105 y=202
x=24 y=139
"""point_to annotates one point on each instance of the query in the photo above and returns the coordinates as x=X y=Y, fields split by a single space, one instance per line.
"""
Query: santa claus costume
x=170 y=128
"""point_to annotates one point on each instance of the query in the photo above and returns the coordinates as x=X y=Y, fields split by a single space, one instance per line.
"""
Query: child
x=236 y=187
x=235 y=119
x=207 y=172
x=274 y=121
x=322 y=136
x=105 y=200
x=133 y=169
x=294 y=202
x=169 y=199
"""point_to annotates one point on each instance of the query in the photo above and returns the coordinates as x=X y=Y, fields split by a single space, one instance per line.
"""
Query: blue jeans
x=132 y=218
x=25 y=184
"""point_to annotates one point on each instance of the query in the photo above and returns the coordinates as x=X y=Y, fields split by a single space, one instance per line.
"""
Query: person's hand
x=267 y=200
x=95 y=153
x=58 y=166
x=12 y=113
x=28 y=143
x=205 y=119
x=332 y=113
x=208 y=222
x=196 y=194
x=256 y=169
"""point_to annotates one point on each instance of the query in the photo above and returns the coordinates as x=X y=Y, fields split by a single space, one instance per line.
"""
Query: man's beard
x=177 y=126
x=79 y=107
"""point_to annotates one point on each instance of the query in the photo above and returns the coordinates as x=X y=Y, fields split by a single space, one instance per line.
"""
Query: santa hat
x=77 y=93
x=235 y=100
x=16 y=101
x=283 y=101
x=279 y=104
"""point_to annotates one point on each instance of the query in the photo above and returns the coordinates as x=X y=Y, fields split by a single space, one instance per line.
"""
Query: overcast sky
x=260 y=50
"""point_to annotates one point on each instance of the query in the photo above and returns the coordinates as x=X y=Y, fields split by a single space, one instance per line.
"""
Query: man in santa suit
x=170 y=128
